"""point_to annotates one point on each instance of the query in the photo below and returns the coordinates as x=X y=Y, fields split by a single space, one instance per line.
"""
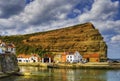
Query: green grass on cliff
x=20 y=46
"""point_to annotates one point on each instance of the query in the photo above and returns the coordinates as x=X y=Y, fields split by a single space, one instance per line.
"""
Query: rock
x=8 y=64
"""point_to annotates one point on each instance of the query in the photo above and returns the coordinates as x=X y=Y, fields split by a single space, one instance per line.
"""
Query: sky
x=30 y=16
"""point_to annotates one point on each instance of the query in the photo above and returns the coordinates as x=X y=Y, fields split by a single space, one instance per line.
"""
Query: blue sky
x=29 y=16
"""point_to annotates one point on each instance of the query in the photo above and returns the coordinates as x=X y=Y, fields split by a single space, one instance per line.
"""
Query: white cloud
x=45 y=11
x=53 y=14
x=77 y=11
x=115 y=39
x=107 y=25
x=40 y=15
x=101 y=10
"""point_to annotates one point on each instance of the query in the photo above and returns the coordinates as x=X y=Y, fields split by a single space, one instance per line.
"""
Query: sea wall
x=89 y=65
x=8 y=64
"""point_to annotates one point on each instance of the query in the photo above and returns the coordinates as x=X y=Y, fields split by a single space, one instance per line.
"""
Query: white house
x=23 y=58
x=73 y=57
x=10 y=48
x=7 y=48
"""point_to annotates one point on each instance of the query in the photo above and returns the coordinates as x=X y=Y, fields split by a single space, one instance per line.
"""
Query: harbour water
x=50 y=74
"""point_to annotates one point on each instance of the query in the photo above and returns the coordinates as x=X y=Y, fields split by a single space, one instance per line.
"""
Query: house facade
x=57 y=58
x=23 y=58
x=7 y=48
x=91 y=57
x=73 y=57
x=63 y=57
x=10 y=48
x=60 y=58
x=47 y=58
x=70 y=57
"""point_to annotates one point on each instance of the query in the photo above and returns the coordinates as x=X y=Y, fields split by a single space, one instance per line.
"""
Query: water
x=45 y=74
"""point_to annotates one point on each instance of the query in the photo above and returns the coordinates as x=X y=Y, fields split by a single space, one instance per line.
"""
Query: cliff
x=84 y=38
x=8 y=64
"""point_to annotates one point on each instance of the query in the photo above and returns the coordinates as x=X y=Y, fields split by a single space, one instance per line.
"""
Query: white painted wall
x=12 y=50
x=75 y=57
x=26 y=60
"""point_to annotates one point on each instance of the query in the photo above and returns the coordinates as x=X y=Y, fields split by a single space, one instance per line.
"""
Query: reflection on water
x=45 y=74
x=113 y=75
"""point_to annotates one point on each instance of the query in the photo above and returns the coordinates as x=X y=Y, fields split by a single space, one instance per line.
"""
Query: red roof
x=95 y=55
x=11 y=45
x=91 y=56
x=86 y=55
x=27 y=56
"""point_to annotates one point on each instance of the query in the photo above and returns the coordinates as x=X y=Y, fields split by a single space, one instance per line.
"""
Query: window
x=26 y=60
x=31 y=58
x=19 y=60
x=11 y=49
x=67 y=56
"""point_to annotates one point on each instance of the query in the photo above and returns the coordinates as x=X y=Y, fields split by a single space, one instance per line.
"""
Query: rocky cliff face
x=8 y=63
x=84 y=38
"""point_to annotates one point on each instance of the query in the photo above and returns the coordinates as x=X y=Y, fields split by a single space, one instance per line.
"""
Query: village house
x=10 y=48
x=63 y=57
x=7 y=48
x=25 y=58
x=70 y=57
x=74 y=57
x=60 y=58
x=47 y=58
x=57 y=58
x=91 y=57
